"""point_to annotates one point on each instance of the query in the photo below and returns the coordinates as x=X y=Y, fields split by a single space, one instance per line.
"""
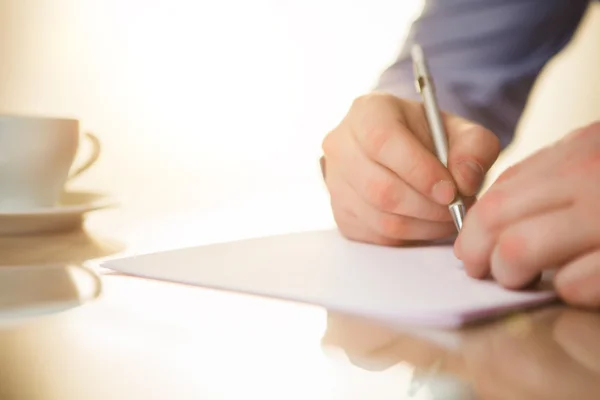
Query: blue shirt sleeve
x=485 y=55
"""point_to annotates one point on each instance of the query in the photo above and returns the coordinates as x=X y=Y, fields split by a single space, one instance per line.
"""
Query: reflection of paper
x=421 y=285
x=449 y=340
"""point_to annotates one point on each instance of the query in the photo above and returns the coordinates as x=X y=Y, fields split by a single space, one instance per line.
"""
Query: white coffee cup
x=36 y=160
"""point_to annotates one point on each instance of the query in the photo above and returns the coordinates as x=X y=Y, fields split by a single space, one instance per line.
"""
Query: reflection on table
x=154 y=340
x=551 y=353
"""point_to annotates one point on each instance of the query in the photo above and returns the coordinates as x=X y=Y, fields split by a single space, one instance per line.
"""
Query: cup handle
x=92 y=158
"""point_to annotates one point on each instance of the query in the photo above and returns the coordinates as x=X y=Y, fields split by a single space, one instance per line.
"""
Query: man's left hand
x=541 y=214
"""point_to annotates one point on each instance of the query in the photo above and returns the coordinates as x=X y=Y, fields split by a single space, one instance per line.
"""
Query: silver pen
x=424 y=84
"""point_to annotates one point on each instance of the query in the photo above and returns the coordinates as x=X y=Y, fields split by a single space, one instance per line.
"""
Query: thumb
x=473 y=150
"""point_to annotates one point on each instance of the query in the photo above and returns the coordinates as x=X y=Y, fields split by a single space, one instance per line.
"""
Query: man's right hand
x=386 y=184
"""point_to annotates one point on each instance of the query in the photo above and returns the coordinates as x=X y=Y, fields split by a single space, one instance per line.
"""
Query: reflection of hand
x=374 y=346
x=541 y=214
x=367 y=345
x=556 y=361
x=433 y=371
x=385 y=182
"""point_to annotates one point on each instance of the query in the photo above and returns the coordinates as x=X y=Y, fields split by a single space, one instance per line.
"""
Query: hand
x=385 y=182
x=541 y=214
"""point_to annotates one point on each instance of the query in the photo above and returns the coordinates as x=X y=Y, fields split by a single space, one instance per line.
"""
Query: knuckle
x=418 y=168
x=421 y=173
x=382 y=194
x=391 y=226
x=512 y=249
x=488 y=209
x=372 y=131
x=415 y=169
x=374 y=139
x=439 y=214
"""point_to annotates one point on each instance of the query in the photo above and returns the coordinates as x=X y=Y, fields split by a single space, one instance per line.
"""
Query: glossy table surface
x=145 y=339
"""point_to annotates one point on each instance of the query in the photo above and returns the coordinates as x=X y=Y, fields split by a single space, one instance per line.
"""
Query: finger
x=578 y=282
x=472 y=152
x=384 y=138
x=502 y=206
x=352 y=229
x=383 y=189
x=348 y=223
x=358 y=232
x=473 y=149
x=536 y=165
x=363 y=234
x=533 y=245
x=578 y=333
x=391 y=226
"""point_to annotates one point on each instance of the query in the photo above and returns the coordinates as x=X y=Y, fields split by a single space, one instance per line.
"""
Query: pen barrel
x=424 y=85
x=435 y=122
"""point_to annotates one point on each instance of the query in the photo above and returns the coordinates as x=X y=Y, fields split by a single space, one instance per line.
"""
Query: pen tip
x=458 y=215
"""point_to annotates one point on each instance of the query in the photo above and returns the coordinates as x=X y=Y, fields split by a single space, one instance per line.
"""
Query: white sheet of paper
x=419 y=285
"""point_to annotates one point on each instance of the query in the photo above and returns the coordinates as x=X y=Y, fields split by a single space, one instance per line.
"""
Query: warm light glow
x=205 y=98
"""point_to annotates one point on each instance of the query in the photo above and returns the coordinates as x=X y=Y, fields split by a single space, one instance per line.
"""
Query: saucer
x=32 y=291
x=66 y=215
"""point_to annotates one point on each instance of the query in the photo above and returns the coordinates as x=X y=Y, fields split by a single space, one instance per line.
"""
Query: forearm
x=485 y=55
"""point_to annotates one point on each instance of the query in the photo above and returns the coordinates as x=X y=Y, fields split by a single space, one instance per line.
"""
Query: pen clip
x=421 y=69
x=419 y=84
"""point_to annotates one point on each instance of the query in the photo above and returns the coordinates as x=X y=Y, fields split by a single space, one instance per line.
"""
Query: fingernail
x=443 y=192
x=471 y=173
